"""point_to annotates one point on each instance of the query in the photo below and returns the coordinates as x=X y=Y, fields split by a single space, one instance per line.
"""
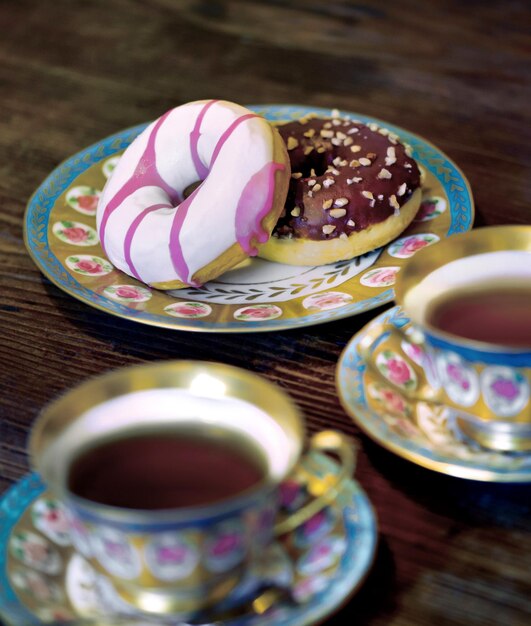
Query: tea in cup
x=469 y=299
x=170 y=476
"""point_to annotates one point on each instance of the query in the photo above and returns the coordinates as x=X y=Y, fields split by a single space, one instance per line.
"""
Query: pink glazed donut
x=151 y=231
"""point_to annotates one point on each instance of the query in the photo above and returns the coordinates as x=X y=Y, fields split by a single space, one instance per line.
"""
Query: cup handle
x=323 y=490
x=366 y=351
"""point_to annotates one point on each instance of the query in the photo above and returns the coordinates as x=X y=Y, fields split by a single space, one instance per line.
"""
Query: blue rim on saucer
x=328 y=588
x=275 y=302
x=429 y=437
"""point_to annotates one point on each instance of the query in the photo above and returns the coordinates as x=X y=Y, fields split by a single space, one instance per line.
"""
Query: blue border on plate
x=361 y=531
x=40 y=205
x=350 y=370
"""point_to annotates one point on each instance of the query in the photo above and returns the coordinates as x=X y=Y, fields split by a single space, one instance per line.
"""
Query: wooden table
x=451 y=551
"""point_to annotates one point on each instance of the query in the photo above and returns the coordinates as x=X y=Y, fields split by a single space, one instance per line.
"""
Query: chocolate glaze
x=325 y=146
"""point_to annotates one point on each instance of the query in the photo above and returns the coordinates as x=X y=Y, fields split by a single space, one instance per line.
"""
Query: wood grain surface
x=71 y=72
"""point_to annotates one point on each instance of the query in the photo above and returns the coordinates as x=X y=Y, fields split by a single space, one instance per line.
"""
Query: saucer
x=60 y=234
x=421 y=433
x=321 y=563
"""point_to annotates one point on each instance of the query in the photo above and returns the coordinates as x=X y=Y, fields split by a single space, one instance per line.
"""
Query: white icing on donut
x=145 y=227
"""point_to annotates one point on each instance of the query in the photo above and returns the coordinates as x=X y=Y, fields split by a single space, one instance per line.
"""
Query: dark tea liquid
x=494 y=314
x=165 y=471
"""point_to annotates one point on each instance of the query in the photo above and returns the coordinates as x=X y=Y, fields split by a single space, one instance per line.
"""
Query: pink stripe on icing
x=145 y=174
x=131 y=233
x=200 y=168
x=227 y=134
x=176 y=253
x=261 y=186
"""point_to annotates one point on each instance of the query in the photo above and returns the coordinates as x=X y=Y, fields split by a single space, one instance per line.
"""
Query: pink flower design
x=127 y=292
x=426 y=208
x=456 y=374
x=412 y=245
x=384 y=276
x=36 y=551
x=393 y=400
x=315 y=522
x=256 y=313
x=225 y=544
x=330 y=299
x=188 y=310
x=75 y=234
x=92 y=267
x=172 y=554
x=57 y=521
x=505 y=388
x=88 y=203
x=116 y=551
x=398 y=371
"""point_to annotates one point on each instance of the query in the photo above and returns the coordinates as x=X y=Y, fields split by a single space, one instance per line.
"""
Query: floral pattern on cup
x=88 y=265
x=35 y=551
x=390 y=399
x=430 y=208
x=406 y=247
x=128 y=294
x=321 y=555
x=258 y=313
x=225 y=546
x=396 y=369
x=83 y=199
x=459 y=380
x=326 y=301
x=292 y=495
x=171 y=556
x=109 y=166
x=315 y=528
x=380 y=276
x=188 y=310
x=79 y=535
x=505 y=390
x=75 y=233
x=49 y=517
x=36 y=585
x=114 y=552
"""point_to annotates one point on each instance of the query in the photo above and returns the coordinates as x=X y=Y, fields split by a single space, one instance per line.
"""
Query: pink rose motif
x=412 y=245
x=75 y=234
x=322 y=550
x=393 y=400
x=226 y=544
x=92 y=267
x=289 y=491
x=116 y=550
x=384 y=276
x=426 y=208
x=88 y=203
x=398 y=371
x=329 y=300
x=259 y=314
x=188 y=310
x=36 y=551
x=505 y=388
x=174 y=554
x=315 y=522
x=56 y=520
x=456 y=374
x=127 y=292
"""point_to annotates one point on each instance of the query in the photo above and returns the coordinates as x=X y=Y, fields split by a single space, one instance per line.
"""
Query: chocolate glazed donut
x=353 y=188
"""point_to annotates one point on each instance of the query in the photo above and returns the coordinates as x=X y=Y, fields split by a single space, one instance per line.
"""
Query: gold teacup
x=176 y=559
x=468 y=299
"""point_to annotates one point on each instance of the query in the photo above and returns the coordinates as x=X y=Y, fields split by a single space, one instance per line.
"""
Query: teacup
x=468 y=298
x=176 y=549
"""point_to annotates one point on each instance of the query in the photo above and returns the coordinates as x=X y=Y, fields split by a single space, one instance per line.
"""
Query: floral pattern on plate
x=315 y=528
x=83 y=199
x=505 y=390
x=406 y=247
x=40 y=587
x=34 y=551
x=327 y=301
x=396 y=369
x=50 y=518
x=380 y=276
x=258 y=312
x=108 y=166
x=88 y=265
x=188 y=310
x=321 y=555
x=430 y=208
x=75 y=233
x=127 y=293
x=391 y=400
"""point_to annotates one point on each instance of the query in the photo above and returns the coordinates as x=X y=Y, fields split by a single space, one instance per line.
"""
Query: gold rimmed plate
x=60 y=234
x=417 y=432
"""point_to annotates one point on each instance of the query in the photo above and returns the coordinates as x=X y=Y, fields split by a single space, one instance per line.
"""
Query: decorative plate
x=425 y=435
x=322 y=563
x=258 y=295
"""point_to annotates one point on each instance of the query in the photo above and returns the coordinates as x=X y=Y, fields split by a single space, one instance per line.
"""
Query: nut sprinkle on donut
x=346 y=177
